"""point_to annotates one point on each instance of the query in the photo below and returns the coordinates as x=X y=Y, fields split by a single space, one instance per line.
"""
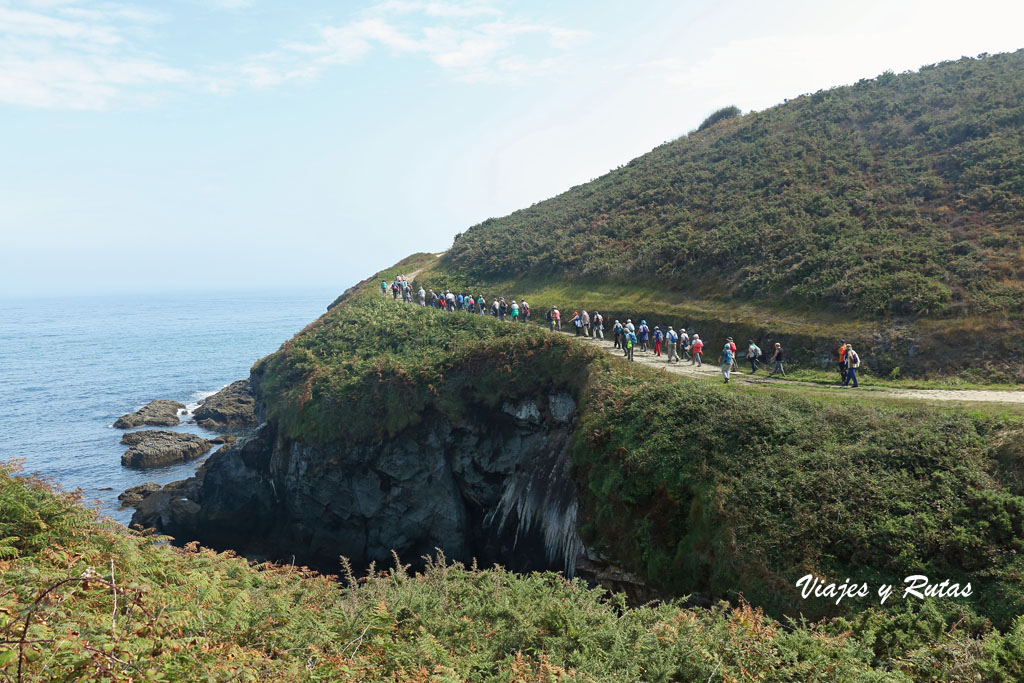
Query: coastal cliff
x=387 y=426
x=495 y=487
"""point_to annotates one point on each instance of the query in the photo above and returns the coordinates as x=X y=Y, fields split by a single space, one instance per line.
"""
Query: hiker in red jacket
x=697 y=351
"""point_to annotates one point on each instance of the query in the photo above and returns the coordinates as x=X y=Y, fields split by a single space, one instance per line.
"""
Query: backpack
x=673 y=337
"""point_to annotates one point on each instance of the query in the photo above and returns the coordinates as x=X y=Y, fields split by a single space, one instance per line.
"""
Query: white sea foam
x=196 y=397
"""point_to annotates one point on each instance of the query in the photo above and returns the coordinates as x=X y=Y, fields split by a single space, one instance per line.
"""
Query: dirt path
x=711 y=371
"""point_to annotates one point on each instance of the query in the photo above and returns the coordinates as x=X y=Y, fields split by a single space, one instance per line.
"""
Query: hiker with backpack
x=514 y=312
x=671 y=340
x=598 y=321
x=843 y=366
x=726 y=359
x=556 y=317
x=629 y=345
x=697 y=351
x=585 y=323
x=643 y=333
x=732 y=347
x=577 y=322
x=753 y=353
x=617 y=333
x=524 y=311
x=777 y=359
x=684 y=345
x=852 y=363
x=657 y=337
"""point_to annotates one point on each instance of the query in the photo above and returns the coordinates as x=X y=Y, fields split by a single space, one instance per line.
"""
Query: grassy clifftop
x=900 y=195
x=698 y=488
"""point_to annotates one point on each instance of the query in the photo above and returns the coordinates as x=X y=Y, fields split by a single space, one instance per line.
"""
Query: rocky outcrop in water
x=159 y=413
x=133 y=496
x=232 y=406
x=156 y=448
x=495 y=486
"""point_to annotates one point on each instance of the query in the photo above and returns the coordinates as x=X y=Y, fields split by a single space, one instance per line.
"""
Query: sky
x=190 y=145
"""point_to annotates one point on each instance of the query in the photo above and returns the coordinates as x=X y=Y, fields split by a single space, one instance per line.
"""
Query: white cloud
x=87 y=54
x=225 y=4
x=59 y=54
x=473 y=41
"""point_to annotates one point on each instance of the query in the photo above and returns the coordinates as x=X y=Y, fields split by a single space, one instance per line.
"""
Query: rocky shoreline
x=158 y=448
x=232 y=406
x=158 y=413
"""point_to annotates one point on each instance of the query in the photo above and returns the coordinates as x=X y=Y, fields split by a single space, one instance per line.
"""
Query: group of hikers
x=451 y=302
x=677 y=346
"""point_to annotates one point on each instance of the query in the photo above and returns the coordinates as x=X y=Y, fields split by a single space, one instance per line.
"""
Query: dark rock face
x=155 y=448
x=133 y=496
x=159 y=413
x=495 y=487
x=232 y=406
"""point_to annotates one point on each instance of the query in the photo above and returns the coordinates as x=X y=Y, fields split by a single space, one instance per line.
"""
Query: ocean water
x=69 y=367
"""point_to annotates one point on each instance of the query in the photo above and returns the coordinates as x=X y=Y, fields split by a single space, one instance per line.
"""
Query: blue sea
x=69 y=367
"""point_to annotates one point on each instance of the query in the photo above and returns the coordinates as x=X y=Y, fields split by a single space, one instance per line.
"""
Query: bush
x=722 y=114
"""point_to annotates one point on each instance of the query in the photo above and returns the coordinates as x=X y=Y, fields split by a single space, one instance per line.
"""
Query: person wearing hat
x=842 y=362
x=697 y=351
x=732 y=347
x=617 y=331
x=658 y=337
x=643 y=334
x=753 y=353
x=684 y=345
x=671 y=339
x=726 y=359
x=777 y=359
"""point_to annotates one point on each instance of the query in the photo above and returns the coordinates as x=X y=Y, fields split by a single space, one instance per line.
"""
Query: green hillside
x=899 y=196
x=697 y=487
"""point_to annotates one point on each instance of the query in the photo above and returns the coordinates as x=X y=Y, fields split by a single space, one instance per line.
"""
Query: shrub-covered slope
x=698 y=488
x=899 y=195
x=83 y=600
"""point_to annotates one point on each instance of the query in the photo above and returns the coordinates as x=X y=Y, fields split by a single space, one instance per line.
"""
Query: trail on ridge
x=711 y=371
